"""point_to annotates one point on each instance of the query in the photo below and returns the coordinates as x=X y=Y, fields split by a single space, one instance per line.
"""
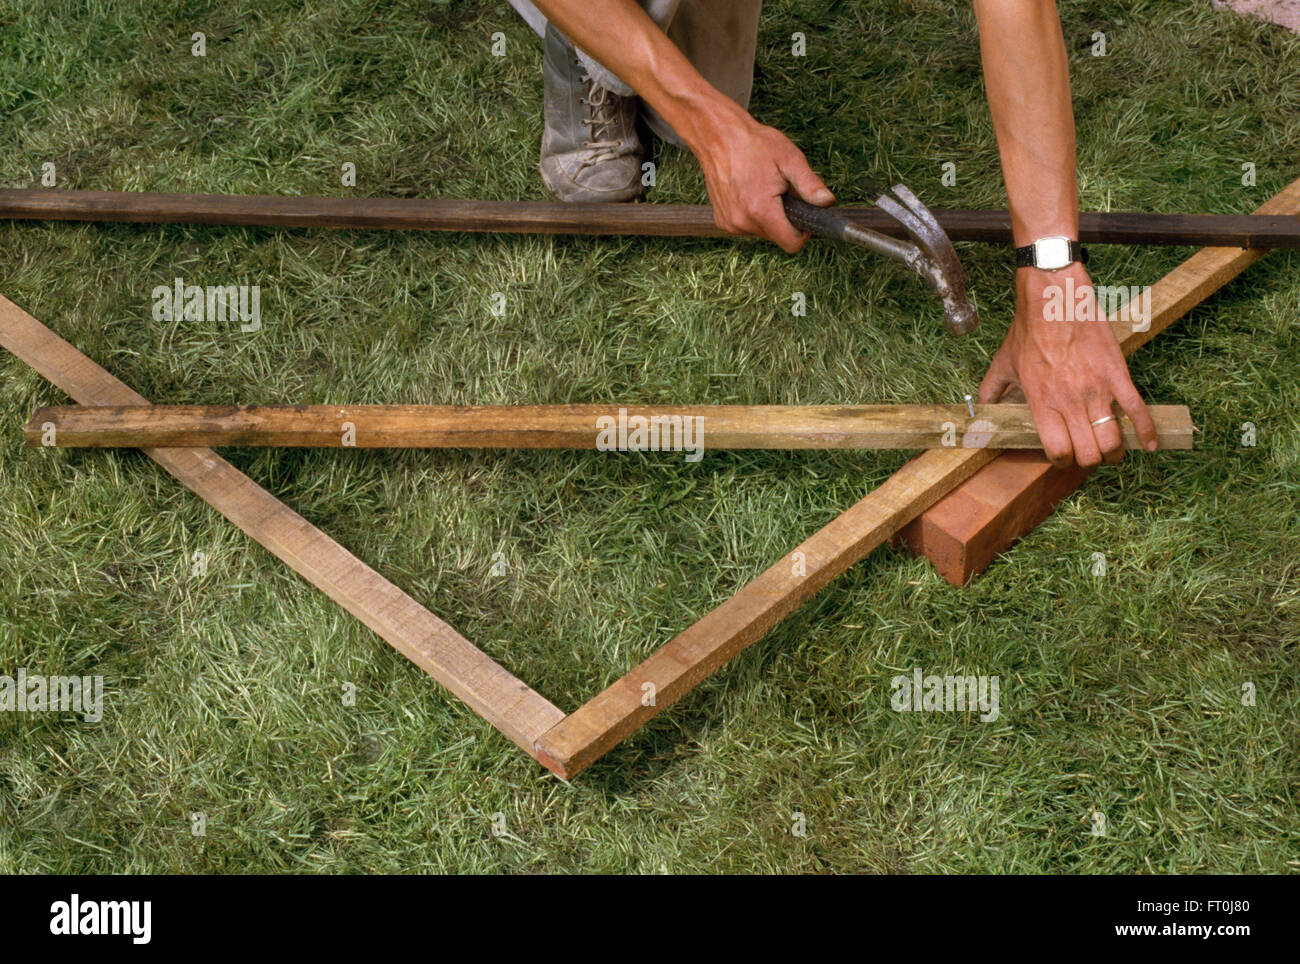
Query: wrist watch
x=1051 y=253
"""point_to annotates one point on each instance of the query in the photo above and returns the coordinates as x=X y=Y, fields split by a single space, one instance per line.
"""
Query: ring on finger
x=1098 y=422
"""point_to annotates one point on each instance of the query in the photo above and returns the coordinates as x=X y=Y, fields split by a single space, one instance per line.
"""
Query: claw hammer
x=930 y=252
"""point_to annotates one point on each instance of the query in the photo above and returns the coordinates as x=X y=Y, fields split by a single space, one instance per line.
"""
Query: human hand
x=747 y=168
x=1071 y=370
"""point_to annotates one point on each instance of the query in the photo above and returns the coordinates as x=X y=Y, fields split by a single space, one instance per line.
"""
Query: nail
x=970 y=406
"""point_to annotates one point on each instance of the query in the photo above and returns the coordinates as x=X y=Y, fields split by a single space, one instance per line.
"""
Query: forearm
x=1027 y=78
x=622 y=37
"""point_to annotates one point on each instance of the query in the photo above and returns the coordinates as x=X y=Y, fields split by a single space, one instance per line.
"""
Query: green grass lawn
x=1120 y=694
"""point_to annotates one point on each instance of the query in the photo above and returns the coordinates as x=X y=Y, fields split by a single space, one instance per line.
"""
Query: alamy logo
x=75 y=917
x=179 y=301
x=33 y=693
x=1070 y=302
x=654 y=433
x=947 y=694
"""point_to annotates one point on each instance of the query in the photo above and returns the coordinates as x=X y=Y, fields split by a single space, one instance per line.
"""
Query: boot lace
x=602 y=115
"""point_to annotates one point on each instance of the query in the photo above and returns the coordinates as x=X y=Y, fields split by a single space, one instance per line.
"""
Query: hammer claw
x=942 y=267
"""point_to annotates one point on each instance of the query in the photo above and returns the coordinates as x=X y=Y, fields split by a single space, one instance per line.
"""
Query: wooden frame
x=625 y=428
x=566 y=744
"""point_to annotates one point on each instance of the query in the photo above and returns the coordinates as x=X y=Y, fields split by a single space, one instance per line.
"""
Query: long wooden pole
x=491 y=691
x=546 y=217
x=692 y=429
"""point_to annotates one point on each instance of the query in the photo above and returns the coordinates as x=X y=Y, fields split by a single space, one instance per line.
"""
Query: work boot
x=590 y=150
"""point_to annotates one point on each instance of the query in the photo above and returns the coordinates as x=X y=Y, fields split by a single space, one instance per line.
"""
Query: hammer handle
x=819 y=222
x=831 y=223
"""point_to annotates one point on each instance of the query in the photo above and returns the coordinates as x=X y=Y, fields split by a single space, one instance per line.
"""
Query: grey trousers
x=718 y=37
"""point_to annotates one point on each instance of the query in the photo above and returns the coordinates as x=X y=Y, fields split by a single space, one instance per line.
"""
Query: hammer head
x=930 y=253
x=934 y=259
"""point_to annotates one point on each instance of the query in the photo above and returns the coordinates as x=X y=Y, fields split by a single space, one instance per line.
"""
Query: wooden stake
x=964 y=532
x=688 y=428
x=423 y=638
x=548 y=217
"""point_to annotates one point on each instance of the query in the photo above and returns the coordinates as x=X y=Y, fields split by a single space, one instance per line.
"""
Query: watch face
x=1051 y=253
